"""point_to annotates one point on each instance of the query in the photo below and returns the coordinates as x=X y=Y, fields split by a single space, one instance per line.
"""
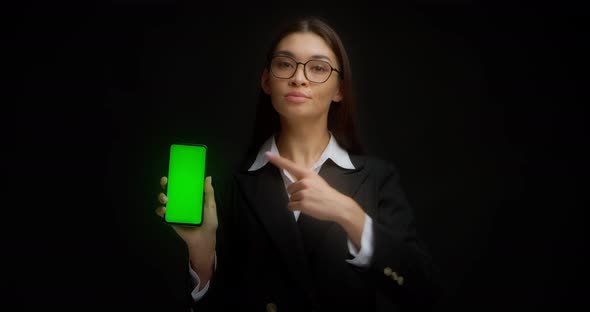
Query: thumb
x=210 y=208
x=209 y=192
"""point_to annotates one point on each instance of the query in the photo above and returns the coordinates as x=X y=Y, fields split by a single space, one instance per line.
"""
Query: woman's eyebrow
x=315 y=57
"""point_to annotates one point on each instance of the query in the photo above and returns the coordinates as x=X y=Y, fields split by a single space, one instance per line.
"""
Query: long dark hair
x=341 y=117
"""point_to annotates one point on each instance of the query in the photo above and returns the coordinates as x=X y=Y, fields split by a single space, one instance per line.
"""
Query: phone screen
x=186 y=179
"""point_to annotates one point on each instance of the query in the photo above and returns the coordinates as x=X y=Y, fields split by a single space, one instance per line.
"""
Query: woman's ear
x=265 y=82
x=338 y=96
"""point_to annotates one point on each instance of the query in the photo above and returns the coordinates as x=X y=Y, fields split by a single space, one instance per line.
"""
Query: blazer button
x=271 y=307
x=394 y=275
x=400 y=280
x=387 y=271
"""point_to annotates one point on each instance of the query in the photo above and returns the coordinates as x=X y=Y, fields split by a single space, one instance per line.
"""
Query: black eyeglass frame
x=304 y=66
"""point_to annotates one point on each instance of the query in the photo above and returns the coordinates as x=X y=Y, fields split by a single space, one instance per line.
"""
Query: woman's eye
x=285 y=65
x=319 y=69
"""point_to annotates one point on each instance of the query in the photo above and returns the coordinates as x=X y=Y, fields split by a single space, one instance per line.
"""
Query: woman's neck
x=303 y=144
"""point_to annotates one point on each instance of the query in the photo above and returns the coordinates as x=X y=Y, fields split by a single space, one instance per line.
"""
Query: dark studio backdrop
x=476 y=104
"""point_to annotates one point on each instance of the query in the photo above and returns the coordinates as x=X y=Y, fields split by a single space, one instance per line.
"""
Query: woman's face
x=298 y=98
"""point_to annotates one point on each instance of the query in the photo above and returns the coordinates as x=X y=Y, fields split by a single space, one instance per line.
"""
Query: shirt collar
x=333 y=151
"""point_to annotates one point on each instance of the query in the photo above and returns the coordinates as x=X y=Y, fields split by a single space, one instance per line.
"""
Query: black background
x=478 y=104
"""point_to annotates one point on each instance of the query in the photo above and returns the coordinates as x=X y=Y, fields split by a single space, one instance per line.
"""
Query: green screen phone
x=186 y=179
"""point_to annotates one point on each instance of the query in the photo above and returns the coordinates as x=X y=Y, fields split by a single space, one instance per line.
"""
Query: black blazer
x=268 y=261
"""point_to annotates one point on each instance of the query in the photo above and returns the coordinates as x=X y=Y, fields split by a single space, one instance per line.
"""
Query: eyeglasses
x=284 y=67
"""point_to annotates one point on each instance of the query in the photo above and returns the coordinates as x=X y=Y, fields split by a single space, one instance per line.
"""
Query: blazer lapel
x=346 y=181
x=265 y=191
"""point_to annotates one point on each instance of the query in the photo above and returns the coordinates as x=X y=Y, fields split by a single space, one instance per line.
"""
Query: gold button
x=400 y=280
x=387 y=271
x=271 y=307
x=394 y=275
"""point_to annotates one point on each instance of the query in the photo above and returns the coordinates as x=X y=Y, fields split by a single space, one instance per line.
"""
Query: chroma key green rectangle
x=186 y=179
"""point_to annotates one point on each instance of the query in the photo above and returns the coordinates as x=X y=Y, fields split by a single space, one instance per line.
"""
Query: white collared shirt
x=341 y=158
x=332 y=151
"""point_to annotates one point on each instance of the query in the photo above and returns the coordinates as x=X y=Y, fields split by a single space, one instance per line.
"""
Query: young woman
x=310 y=223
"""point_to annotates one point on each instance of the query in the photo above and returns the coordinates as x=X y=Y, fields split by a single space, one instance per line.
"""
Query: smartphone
x=186 y=181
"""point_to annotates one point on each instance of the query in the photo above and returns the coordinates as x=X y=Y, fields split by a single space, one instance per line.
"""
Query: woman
x=309 y=223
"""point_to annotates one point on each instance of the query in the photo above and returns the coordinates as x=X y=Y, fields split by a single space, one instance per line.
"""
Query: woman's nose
x=299 y=76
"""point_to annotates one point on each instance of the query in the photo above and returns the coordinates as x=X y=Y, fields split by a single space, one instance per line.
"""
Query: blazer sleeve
x=401 y=266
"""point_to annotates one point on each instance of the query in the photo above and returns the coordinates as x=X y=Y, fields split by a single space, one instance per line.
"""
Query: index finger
x=295 y=170
x=163 y=182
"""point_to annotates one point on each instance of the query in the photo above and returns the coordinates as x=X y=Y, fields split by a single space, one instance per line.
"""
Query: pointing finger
x=295 y=170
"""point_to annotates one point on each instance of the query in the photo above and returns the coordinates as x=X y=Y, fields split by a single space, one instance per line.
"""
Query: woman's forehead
x=305 y=45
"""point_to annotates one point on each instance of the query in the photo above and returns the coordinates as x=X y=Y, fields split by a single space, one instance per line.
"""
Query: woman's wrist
x=352 y=220
x=204 y=270
x=202 y=250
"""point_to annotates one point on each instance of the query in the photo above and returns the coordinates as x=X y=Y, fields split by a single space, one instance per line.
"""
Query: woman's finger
x=163 y=199
x=209 y=193
x=163 y=182
x=160 y=211
x=297 y=186
x=294 y=206
x=295 y=170
x=297 y=196
x=210 y=209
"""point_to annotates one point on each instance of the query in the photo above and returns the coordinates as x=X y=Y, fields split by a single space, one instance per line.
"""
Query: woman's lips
x=296 y=97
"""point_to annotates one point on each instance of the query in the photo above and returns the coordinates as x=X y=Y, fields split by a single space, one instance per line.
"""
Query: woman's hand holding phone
x=200 y=240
